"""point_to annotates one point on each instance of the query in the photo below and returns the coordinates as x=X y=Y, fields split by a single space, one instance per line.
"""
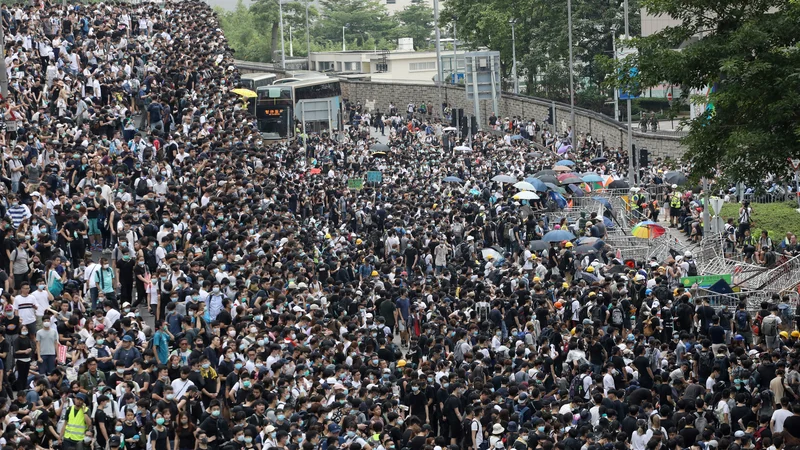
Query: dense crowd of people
x=172 y=282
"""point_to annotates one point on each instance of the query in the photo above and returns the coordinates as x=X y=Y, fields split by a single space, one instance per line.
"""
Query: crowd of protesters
x=171 y=282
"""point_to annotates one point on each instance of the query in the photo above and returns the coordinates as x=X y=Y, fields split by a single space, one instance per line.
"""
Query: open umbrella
x=378 y=154
x=524 y=186
x=565 y=162
x=608 y=222
x=534 y=155
x=558 y=236
x=453 y=180
x=564 y=149
x=576 y=191
x=587 y=240
x=570 y=178
x=379 y=147
x=603 y=202
x=462 y=148
x=495 y=255
x=504 y=179
x=562 y=168
x=619 y=184
x=584 y=249
x=592 y=178
x=526 y=195
x=647 y=230
x=549 y=179
x=599 y=160
x=538 y=246
x=545 y=172
x=516 y=137
x=246 y=93
x=553 y=187
x=536 y=183
x=449 y=129
x=675 y=178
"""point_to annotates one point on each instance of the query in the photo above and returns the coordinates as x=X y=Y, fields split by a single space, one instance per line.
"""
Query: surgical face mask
x=216 y=290
x=231 y=333
x=118 y=428
x=248 y=439
x=260 y=342
x=351 y=434
x=87 y=439
x=281 y=417
x=540 y=429
x=215 y=413
x=246 y=384
x=240 y=438
x=206 y=365
x=238 y=366
x=375 y=362
x=160 y=421
x=170 y=396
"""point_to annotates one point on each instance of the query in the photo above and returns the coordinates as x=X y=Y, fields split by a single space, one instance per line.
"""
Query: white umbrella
x=524 y=186
x=490 y=251
x=449 y=129
x=463 y=148
x=504 y=179
x=526 y=195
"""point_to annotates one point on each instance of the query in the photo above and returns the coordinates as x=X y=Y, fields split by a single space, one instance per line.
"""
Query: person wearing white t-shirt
x=43 y=298
x=25 y=304
x=780 y=416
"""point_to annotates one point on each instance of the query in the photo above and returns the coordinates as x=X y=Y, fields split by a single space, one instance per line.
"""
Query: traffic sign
x=669 y=96
x=795 y=163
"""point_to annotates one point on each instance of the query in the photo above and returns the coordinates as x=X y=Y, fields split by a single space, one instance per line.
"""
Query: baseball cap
x=334 y=428
x=127 y=338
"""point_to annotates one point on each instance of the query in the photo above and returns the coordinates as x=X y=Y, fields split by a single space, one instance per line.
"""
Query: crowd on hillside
x=172 y=282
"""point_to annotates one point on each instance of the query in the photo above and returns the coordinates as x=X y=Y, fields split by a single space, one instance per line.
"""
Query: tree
x=244 y=32
x=747 y=50
x=365 y=20
x=417 y=23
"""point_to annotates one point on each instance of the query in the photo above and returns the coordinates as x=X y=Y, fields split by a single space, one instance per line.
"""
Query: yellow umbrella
x=246 y=93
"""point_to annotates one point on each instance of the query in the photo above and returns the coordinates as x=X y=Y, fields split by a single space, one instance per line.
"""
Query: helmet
x=687 y=254
x=558 y=305
x=631 y=337
x=738 y=337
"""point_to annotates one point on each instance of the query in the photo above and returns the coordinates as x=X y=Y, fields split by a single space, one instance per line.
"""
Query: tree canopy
x=747 y=50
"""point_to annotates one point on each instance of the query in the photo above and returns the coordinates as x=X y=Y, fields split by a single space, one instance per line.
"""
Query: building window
x=391 y=2
x=381 y=67
x=420 y=66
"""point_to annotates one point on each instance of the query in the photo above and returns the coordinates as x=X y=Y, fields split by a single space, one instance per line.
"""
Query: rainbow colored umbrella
x=647 y=230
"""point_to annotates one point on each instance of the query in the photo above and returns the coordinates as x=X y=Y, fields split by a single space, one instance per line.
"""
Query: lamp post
x=631 y=171
x=614 y=50
x=439 y=71
x=308 y=38
x=283 y=45
x=455 y=53
x=291 y=42
x=513 y=23
x=571 y=75
x=344 y=43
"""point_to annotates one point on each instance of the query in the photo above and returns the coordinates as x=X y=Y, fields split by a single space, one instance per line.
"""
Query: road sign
x=669 y=98
x=355 y=184
x=795 y=163
x=705 y=280
x=716 y=204
x=374 y=176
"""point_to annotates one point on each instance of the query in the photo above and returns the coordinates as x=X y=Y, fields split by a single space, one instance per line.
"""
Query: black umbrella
x=675 y=178
x=600 y=160
x=619 y=184
x=585 y=249
x=540 y=173
x=379 y=148
x=548 y=179
x=538 y=246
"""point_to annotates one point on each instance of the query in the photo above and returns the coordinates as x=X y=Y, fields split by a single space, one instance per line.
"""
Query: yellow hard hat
x=537 y=280
x=359 y=241
x=327 y=235
x=796 y=334
x=374 y=273
x=784 y=334
x=568 y=245
x=401 y=363
x=590 y=269
x=489 y=256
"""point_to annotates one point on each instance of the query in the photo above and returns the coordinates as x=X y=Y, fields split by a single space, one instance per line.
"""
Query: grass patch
x=776 y=218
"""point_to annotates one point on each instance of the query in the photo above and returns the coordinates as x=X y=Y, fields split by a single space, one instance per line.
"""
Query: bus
x=254 y=81
x=314 y=105
x=298 y=75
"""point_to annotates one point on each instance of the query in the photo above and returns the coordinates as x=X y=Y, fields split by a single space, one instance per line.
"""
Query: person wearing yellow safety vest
x=635 y=200
x=77 y=422
x=674 y=206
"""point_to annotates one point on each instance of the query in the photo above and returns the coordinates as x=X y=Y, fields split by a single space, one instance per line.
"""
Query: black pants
x=23 y=369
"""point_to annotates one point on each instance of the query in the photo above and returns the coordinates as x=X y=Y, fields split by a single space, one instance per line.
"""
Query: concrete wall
x=599 y=126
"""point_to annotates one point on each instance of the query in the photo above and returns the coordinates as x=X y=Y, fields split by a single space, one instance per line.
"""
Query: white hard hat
x=687 y=254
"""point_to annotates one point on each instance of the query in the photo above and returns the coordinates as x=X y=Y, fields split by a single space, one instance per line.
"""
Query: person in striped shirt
x=17 y=212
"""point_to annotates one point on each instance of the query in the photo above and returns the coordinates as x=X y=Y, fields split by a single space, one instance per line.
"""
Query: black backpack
x=692 y=272
x=150 y=260
x=142 y=188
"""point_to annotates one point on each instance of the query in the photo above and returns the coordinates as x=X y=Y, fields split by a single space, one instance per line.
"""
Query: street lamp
x=571 y=80
x=513 y=23
x=308 y=37
x=283 y=45
x=291 y=43
x=344 y=42
x=455 y=52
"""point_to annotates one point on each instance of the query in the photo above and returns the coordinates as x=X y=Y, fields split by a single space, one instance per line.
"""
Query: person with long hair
x=23 y=353
x=185 y=433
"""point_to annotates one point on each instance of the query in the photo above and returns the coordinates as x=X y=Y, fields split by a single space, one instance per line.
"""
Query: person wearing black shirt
x=739 y=413
x=642 y=364
x=453 y=413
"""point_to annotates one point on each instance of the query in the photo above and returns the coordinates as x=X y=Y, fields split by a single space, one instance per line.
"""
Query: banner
x=61 y=354
x=355 y=183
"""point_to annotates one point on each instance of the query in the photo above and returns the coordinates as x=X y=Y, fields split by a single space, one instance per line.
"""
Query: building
x=403 y=64
x=652 y=24
x=398 y=5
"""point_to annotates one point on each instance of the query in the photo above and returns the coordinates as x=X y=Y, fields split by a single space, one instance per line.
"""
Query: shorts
x=93 y=229
x=674 y=212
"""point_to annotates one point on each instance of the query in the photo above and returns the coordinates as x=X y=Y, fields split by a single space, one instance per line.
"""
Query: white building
x=398 y=5
x=404 y=64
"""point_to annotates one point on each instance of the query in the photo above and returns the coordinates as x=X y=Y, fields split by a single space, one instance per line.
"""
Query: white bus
x=253 y=81
x=313 y=105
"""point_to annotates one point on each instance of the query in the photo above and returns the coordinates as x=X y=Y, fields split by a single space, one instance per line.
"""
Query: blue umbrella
x=576 y=191
x=555 y=188
x=558 y=236
x=516 y=137
x=558 y=199
x=474 y=192
x=565 y=162
x=608 y=222
x=453 y=180
x=537 y=183
x=592 y=178
x=603 y=201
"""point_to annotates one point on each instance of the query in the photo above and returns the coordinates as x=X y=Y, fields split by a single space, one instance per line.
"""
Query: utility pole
x=291 y=43
x=3 y=69
x=308 y=37
x=574 y=136
x=513 y=23
x=455 y=53
x=631 y=171
x=283 y=46
x=616 y=91
x=438 y=53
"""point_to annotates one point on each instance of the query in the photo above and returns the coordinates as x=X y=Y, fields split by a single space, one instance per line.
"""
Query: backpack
x=545 y=334
x=769 y=326
x=508 y=228
x=141 y=187
x=482 y=308
x=706 y=360
x=692 y=272
x=567 y=310
x=616 y=316
x=756 y=327
x=576 y=388
x=150 y=260
x=584 y=313
x=741 y=321
x=649 y=328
